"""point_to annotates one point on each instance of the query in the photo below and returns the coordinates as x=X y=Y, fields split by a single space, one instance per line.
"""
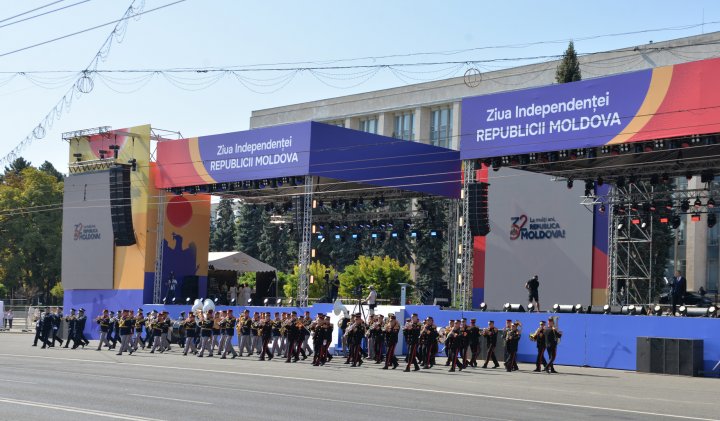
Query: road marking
x=83 y=411
x=376 y=386
x=15 y=381
x=169 y=399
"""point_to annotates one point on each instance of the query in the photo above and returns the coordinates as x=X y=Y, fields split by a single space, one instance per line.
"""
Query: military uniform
x=71 y=321
x=245 y=328
x=412 y=338
x=125 y=324
x=512 y=340
x=491 y=336
x=552 y=338
x=539 y=338
x=191 y=333
x=206 y=327
x=104 y=322
x=391 y=330
x=230 y=322
x=473 y=339
x=265 y=328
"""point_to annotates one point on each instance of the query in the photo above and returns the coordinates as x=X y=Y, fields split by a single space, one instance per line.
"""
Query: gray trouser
x=103 y=340
x=206 y=344
x=371 y=348
x=124 y=343
x=227 y=346
x=245 y=344
x=306 y=345
x=216 y=341
x=190 y=345
x=156 y=343
x=165 y=342
x=257 y=344
x=221 y=345
x=276 y=346
x=283 y=345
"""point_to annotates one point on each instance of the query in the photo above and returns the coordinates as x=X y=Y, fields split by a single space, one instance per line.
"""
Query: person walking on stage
x=532 y=286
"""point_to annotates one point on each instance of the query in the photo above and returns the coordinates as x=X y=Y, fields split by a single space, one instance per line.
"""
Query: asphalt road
x=88 y=384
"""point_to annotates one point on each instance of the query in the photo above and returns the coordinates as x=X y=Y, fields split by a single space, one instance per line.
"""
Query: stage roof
x=237 y=261
x=343 y=160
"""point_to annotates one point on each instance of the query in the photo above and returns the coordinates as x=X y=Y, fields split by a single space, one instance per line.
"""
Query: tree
x=17 y=166
x=30 y=230
x=318 y=286
x=384 y=273
x=57 y=292
x=569 y=68
x=249 y=228
x=224 y=236
x=48 y=168
x=274 y=244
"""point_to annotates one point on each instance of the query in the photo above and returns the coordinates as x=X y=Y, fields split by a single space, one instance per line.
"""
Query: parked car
x=691 y=299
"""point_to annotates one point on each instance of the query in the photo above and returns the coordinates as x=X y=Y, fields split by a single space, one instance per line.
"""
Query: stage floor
x=67 y=384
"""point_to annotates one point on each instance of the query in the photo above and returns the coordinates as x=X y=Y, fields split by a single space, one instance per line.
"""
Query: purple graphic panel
x=269 y=152
x=566 y=116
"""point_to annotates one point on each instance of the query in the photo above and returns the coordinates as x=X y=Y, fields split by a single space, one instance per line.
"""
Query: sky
x=205 y=33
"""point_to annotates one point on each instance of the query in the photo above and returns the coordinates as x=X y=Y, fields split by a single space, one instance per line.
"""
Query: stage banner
x=270 y=152
x=87 y=235
x=658 y=103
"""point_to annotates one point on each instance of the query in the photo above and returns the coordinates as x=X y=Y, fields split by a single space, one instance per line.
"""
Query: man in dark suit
x=677 y=290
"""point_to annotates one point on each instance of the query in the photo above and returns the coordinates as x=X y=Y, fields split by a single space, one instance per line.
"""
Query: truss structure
x=305 y=243
x=463 y=290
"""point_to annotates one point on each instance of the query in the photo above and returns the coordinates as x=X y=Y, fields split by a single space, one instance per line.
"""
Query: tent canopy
x=237 y=261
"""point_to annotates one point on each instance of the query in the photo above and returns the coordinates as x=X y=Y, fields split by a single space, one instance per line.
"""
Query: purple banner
x=566 y=116
x=255 y=154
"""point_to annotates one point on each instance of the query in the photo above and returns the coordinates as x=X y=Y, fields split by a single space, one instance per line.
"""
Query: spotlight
x=682 y=310
x=695 y=217
x=278 y=301
x=600 y=181
x=630 y=310
x=563 y=308
x=570 y=183
x=712 y=311
x=698 y=203
x=249 y=302
x=531 y=307
x=232 y=302
x=710 y=203
x=606 y=309
x=78 y=157
x=115 y=149
x=685 y=205
x=483 y=306
x=133 y=164
x=173 y=300
x=657 y=310
x=707 y=176
x=513 y=308
x=711 y=220
x=266 y=301
x=164 y=299
x=620 y=226
x=102 y=152
x=578 y=308
x=676 y=221
x=187 y=300
x=589 y=186
x=263 y=183
x=216 y=300
x=664 y=219
x=620 y=182
x=602 y=208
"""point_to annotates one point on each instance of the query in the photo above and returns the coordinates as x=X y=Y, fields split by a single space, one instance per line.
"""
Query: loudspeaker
x=478 y=217
x=690 y=357
x=672 y=356
x=120 y=206
x=657 y=355
x=189 y=288
x=642 y=357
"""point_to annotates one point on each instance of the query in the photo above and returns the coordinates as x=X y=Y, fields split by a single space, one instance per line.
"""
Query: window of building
x=403 y=128
x=441 y=127
x=339 y=123
x=369 y=125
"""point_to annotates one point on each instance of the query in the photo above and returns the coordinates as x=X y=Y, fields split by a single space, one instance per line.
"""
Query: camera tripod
x=359 y=306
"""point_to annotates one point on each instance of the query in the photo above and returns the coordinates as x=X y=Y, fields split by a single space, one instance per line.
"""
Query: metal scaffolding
x=305 y=243
x=630 y=264
x=453 y=241
x=463 y=296
x=159 y=247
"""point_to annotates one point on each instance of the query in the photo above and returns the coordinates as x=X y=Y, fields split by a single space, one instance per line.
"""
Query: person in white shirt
x=233 y=294
x=246 y=293
x=370 y=300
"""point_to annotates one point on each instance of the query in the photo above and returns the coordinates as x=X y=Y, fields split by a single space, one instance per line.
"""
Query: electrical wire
x=44 y=13
x=31 y=10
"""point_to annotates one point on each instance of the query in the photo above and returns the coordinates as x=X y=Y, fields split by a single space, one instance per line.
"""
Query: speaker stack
x=120 y=206
x=478 y=215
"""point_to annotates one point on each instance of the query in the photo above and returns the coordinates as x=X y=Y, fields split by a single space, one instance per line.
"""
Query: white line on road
x=83 y=411
x=169 y=399
x=376 y=386
x=15 y=381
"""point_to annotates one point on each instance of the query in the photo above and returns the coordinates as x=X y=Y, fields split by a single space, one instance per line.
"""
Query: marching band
x=207 y=332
